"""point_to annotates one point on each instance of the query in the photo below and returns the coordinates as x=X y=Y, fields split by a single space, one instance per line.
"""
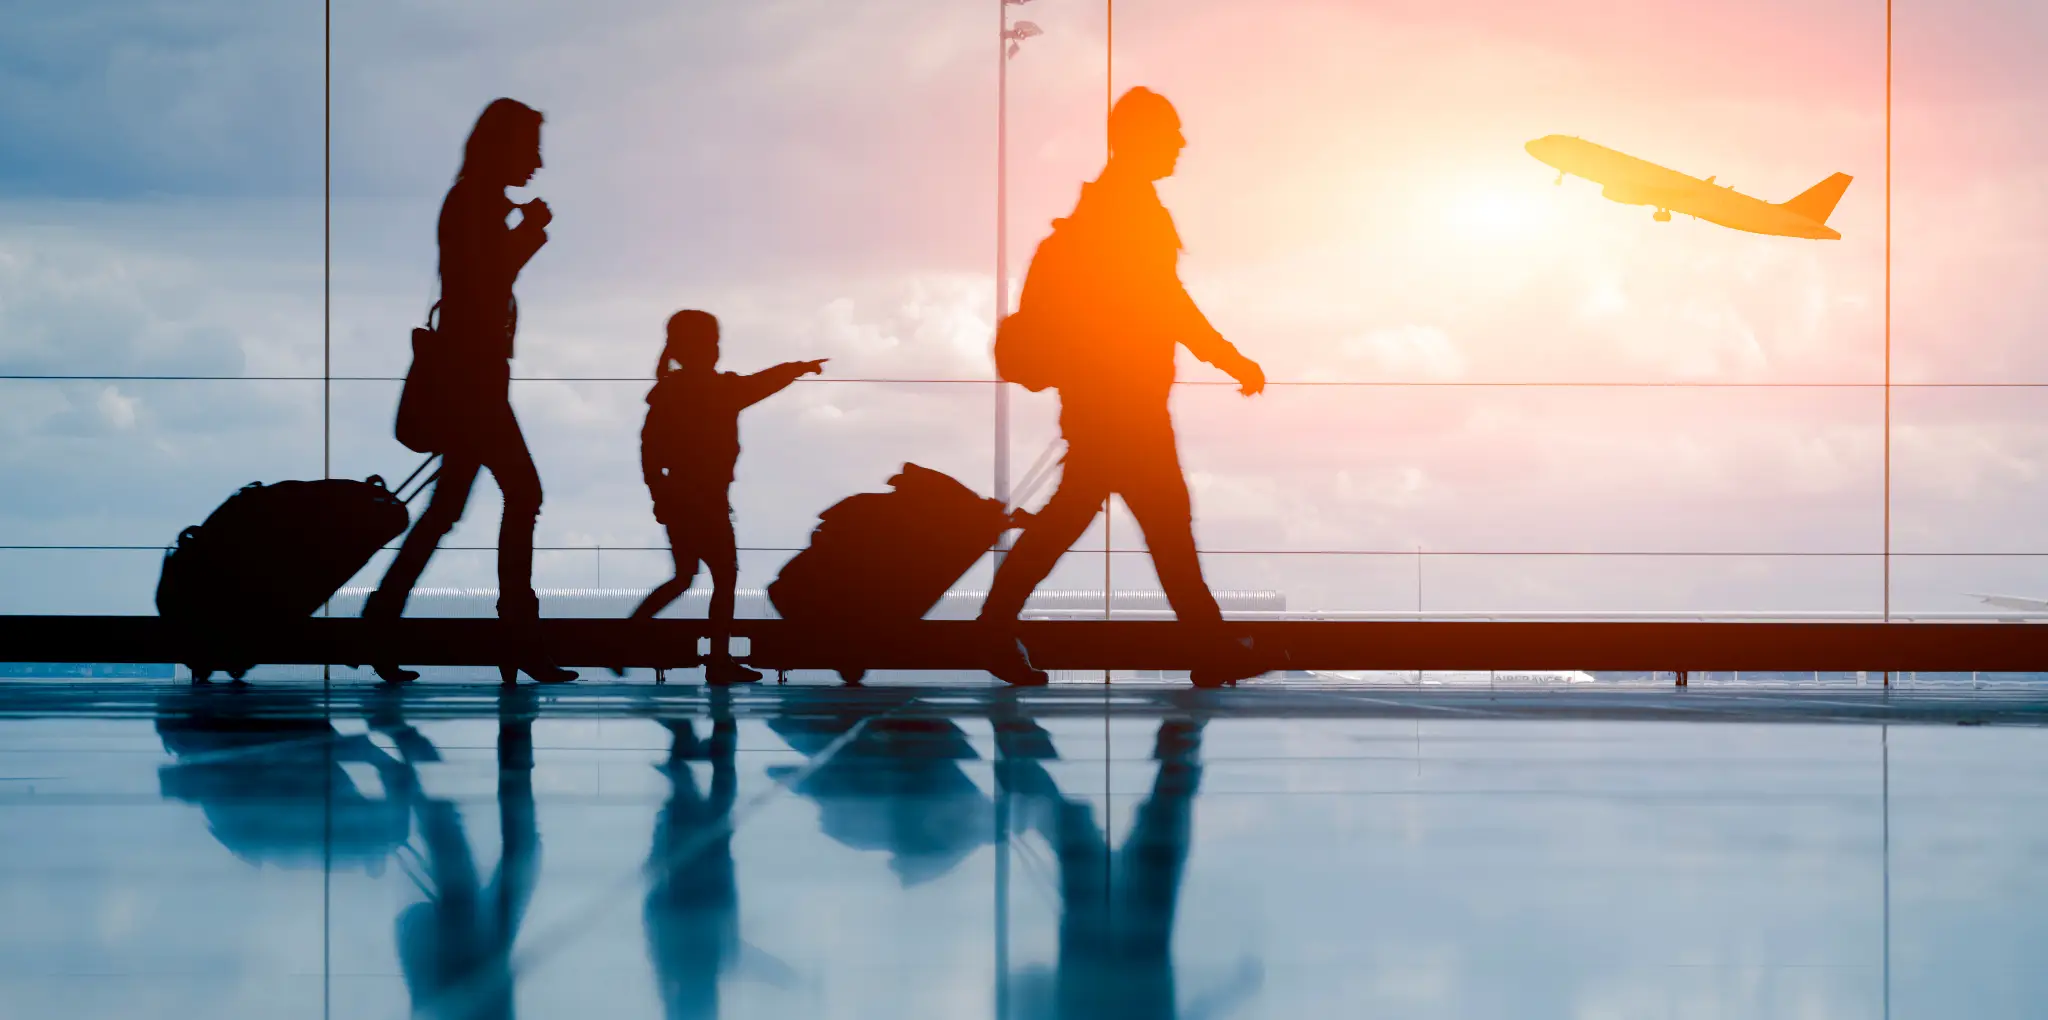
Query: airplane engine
x=1662 y=216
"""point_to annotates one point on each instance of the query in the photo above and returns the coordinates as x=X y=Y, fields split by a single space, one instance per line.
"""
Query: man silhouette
x=1116 y=376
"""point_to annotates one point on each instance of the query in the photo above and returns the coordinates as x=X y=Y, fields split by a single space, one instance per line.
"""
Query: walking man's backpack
x=1036 y=345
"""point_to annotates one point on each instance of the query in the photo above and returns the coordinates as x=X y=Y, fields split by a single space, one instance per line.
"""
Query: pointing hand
x=816 y=367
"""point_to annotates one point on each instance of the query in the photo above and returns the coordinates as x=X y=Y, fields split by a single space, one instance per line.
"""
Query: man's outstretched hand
x=1251 y=379
x=810 y=367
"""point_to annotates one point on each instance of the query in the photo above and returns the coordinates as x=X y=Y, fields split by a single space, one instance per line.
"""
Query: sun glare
x=1492 y=215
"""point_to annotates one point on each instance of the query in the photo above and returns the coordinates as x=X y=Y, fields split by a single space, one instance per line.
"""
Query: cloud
x=1408 y=352
x=128 y=98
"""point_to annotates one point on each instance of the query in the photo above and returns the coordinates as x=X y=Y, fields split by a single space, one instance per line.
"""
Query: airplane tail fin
x=1818 y=202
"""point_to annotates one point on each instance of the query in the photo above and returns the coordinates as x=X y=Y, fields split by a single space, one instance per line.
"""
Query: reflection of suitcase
x=275 y=790
x=274 y=552
x=886 y=558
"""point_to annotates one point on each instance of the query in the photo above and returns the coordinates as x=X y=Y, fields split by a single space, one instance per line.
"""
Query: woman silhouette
x=480 y=259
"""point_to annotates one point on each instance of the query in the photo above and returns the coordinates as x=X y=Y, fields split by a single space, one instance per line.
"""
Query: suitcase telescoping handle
x=399 y=489
x=1039 y=474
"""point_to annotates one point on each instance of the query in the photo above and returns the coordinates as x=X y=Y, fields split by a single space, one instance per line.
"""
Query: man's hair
x=502 y=130
x=1139 y=113
x=687 y=329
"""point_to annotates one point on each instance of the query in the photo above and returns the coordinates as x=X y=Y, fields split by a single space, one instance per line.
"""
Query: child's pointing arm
x=770 y=381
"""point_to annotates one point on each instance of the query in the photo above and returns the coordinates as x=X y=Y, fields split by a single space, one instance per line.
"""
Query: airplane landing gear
x=1560 y=179
x=1662 y=216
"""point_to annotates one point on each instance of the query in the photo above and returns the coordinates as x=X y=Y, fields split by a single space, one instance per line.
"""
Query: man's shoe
x=725 y=672
x=395 y=675
x=1012 y=665
x=1228 y=663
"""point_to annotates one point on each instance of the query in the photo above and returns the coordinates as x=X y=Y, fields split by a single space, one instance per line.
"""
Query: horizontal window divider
x=1290 y=383
x=1395 y=553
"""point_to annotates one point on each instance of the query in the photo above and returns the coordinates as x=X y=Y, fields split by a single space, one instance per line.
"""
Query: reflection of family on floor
x=896 y=783
x=1117 y=907
x=1102 y=314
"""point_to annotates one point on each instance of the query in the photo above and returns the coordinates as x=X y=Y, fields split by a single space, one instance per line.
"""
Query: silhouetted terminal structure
x=752 y=603
x=584 y=628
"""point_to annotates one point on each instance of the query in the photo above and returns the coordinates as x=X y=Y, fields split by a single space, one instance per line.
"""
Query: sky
x=1356 y=205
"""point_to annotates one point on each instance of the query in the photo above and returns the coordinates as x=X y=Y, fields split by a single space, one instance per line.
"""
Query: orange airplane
x=1631 y=181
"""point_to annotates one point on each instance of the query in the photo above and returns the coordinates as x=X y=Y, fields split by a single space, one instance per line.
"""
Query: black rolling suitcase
x=275 y=552
x=883 y=559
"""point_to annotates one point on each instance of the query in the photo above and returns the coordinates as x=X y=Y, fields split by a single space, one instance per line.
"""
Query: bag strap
x=440 y=291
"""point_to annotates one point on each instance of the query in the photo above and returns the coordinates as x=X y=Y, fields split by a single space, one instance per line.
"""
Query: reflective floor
x=1145 y=852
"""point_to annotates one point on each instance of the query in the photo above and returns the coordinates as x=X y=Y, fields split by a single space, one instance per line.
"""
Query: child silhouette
x=688 y=450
